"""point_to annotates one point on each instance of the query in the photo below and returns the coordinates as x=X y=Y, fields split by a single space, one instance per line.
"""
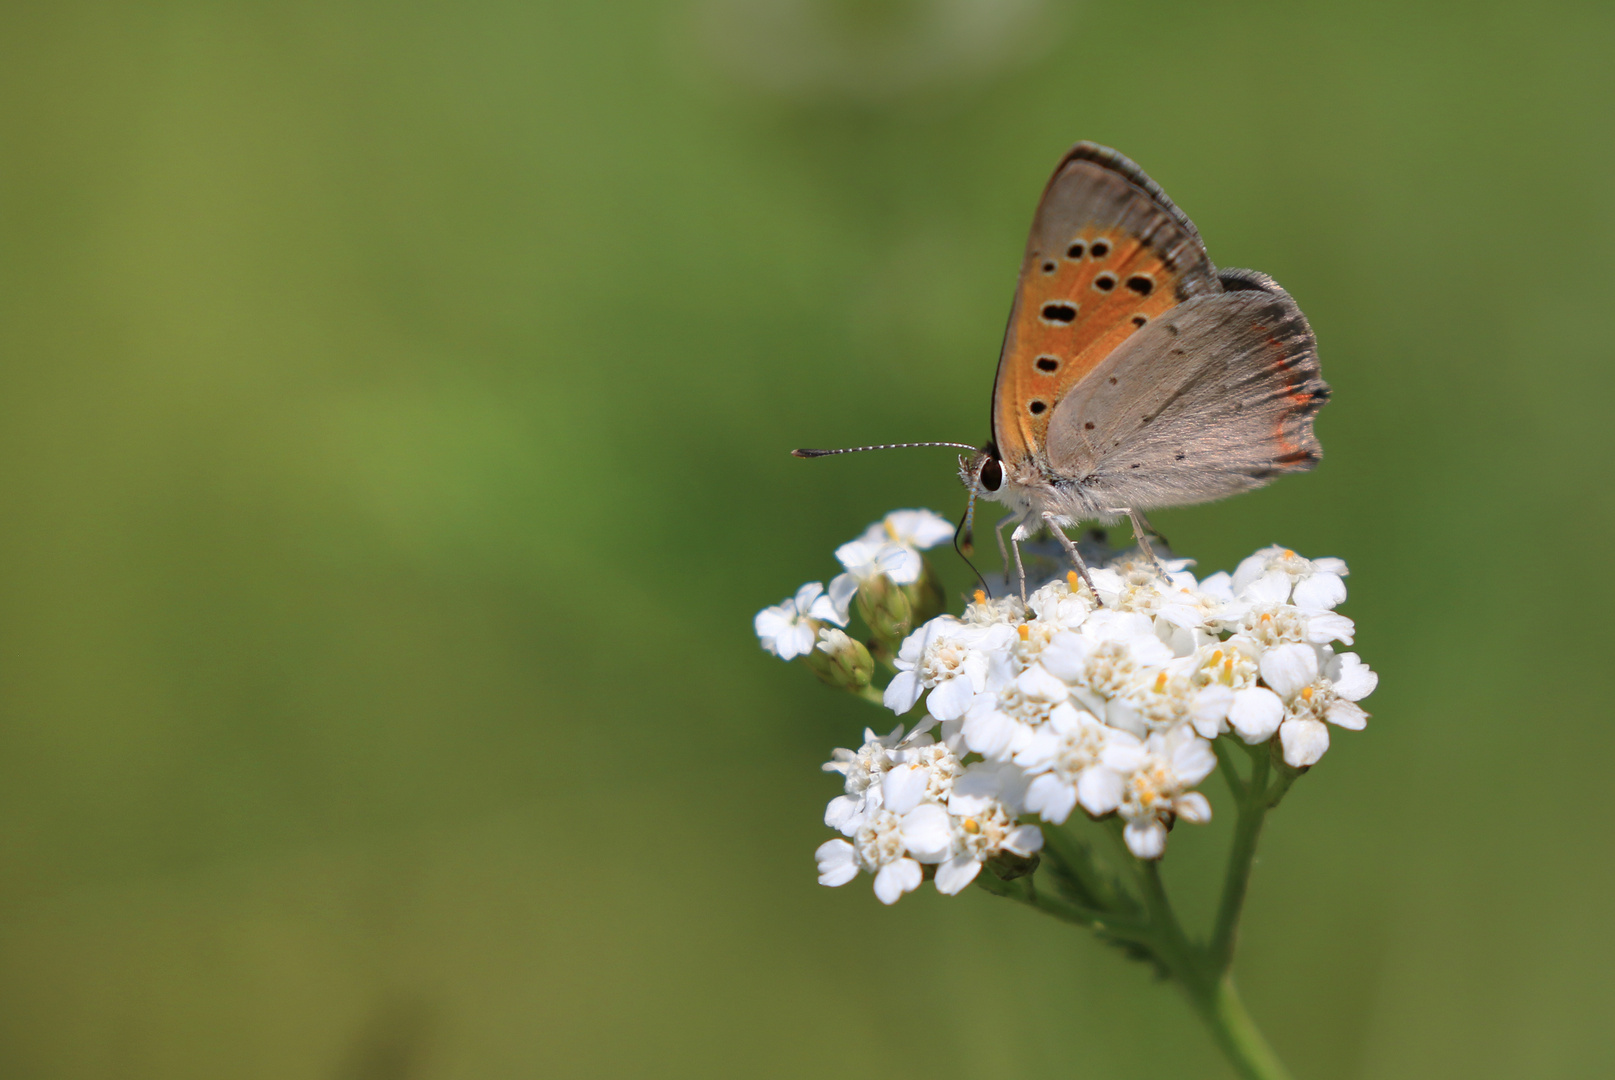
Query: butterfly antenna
x=882 y=446
x=962 y=533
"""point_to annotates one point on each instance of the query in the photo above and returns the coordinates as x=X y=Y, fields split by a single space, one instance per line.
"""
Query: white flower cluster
x=912 y=801
x=1106 y=702
x=889 y=547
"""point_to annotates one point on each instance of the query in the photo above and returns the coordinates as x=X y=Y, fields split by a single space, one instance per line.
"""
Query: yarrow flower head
x=1107 y=699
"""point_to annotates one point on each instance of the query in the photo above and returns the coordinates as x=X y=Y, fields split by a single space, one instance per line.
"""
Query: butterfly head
x=982 y=474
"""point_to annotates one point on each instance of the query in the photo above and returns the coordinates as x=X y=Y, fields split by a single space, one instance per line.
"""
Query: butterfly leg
x=1140 y=529
x=1071 y=550
x=1023 y=531
x=1151 y=529
x=1003 y=552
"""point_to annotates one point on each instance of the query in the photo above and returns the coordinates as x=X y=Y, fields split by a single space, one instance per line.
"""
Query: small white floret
x=790 y=628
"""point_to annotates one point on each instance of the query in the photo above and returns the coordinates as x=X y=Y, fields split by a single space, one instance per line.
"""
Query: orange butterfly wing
x=1108 y=252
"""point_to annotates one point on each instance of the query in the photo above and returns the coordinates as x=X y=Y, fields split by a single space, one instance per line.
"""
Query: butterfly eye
x=992 y=475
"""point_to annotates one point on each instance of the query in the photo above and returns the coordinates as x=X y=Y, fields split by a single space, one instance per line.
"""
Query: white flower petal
x=1035 y=682
x=1124 y=753
x=843 y=587
x=1193 y=760
x=918 y=528
x=845 y=814
x=990 y=733
x=1108 y=624
x=902 y=692
x=1066 y=655
x=1208 y=712
x=1304 y=742
x=1319 y=591
x=838 y=863
x=791 y=641
x=1050 y=798
x=1100 y=790
x=1039 y=752
x=897 y=878
x=956 y=873
x=1146 y=839
x=1183 y=615
x=1346 y=714
x=1255 y=714
x=900 y=563
x=770 y=624
x=1326 y=626
x=807 y=594
x=858 y=556
x=1287 y=668
x=1193 y=808
x=1272 y=587
x=1149 y=650
x=1024 y=840
x=1219 y=586
x=1249 y=569
x=825 y=610
x=1355 y=680
x=926 y=833
x=950 y=699
x=903 y=787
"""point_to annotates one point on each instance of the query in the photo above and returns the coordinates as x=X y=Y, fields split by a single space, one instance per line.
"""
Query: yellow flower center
x=1073 y=580
x=1306 y=695
x=981 y=597
x=971 y=827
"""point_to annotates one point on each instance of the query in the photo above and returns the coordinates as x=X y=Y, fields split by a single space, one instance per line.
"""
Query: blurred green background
x=392 y=441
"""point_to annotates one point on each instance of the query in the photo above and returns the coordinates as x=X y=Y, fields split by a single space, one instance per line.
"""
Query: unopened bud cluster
x=1108 y=702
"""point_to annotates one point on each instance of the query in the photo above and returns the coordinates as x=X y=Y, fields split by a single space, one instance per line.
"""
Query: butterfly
x=1134 y=374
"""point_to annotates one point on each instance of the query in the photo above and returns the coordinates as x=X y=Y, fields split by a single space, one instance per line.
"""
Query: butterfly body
x=1134 y=375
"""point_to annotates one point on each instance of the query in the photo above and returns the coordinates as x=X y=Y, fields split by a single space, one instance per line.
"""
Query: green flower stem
x=1201 y=971
x=871 y=692
x=1281 y=784
x=1210 y=989
x=1236 y=1033
x=1252 y=797
x=1225 y=761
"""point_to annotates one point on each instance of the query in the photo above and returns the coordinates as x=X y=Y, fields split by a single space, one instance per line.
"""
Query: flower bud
x=887 y=611
x=840 y=661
